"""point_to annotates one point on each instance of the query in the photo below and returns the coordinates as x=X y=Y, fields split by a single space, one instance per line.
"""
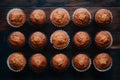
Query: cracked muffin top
x=102 y=61
x=38 y=40
x=59 y=39
x=81 y=61
x=38 y=62
x=60 y=61
x=103 y=39
x=38 y=17
x=82 y=39
x=17 y=39
x=16 y=17
x=60 y=17
x=17 y=61
x=103 y=17
x=81 y=17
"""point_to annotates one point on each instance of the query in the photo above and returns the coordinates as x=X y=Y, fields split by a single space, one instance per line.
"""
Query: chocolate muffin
x=81 y=62
x=38 y=40
x=60 y=17
x=59 y=39
x=103 y=17
x=81 y=17
x=103 y=39
x=103 y=62
x=82 y=39
x=16 y=17
x=60 y=62
x=17 y=39
x=38 y=17
x=38 y=62
x=16 y=62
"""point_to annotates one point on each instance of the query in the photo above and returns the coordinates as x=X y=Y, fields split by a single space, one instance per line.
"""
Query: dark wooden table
x=52 y=3
x=48 y=50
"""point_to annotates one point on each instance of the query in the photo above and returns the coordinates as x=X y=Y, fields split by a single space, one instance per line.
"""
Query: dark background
x=55 y=3
x=48 y=29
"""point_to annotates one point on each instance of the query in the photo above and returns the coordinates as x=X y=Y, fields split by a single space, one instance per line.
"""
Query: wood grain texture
x=58 y=3
x=48 y=50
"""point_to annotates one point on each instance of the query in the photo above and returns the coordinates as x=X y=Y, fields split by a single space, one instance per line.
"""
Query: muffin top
x=60 y=17
x=81 y=61
x=38 y=62
x=81 y=17
x=81 y=39
x=60 y=61
x=102 y=61
x=38 y=17
x=103 y=17
x=17 y=61
x=103 y=39
x=16 y=17
x=38 y=40
x=60 y=39
x=17 y=39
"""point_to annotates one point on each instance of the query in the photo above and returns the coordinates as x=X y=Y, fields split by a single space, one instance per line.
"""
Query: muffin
x=103 y=17
x=17 y=39
x=38 y=17
x=103 y=39
x=81 y=17
x=38 y=40
x=60 y=17
x=82 y=39
x=38 y=62
x=16 y=17
x=60 y=62
x=102 y=62
x=81 y=62
x=59 y=39
x=16 y=62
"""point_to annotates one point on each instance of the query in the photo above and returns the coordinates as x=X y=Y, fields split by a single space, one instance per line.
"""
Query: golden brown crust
x=60 y=17
x=38 y=17
x=17 y=17
x=81 y=39
x=17 y=61
x=38 y=62
x=103 y=39
x=103 y=16
x=81 y=17
x=60 y=61
x=60 y=39
x=17 y=39
x=102 y=61
x=81 y=61
x=38 y=40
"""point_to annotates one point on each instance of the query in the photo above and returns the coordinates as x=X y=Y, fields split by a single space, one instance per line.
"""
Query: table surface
x=59 y=3
x=48 y=50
